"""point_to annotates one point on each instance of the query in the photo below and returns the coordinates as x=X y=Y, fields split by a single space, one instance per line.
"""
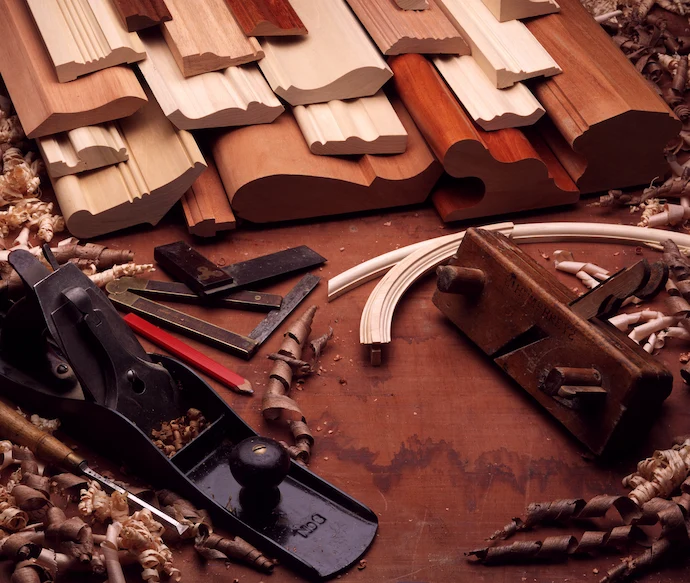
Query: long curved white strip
x=375 y=324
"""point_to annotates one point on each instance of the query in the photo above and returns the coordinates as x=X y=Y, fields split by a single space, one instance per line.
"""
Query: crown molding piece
x=204 y=36
x=141 y=14
x=163 y=163
x=516 y=172
x=206 y=206
x=82 y=149
x=506 y=51
x=83 y=36
x=368 y=125
x=336 y=60
x=491 y=108
x=43 y=104
x=269 y=184
x=236 y=96
x=413 y=4
x=505 y=10
x=610 y=126
x=397 y=31
x=267 y=17
x=417 y=260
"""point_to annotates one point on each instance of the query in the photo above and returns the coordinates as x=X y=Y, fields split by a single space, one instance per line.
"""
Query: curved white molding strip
x=375 y=324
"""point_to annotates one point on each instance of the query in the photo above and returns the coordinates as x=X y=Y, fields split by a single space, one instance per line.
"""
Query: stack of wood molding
x=368 y=125
x=83 y=36
x=82 y=149
x=515 y=172
x=46 y=106
x=270 y=175
x=336 y=60
x=506 y=51
x=505 y=10
x=397 y=32
x=609 y=127
x=235 y=96
x=162 y=165
x=206 y=206
x=140 y=14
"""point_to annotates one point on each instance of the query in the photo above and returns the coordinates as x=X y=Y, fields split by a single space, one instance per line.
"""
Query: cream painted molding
x=368 y=125
x=419 y=259
x=82 y=149
x=163 y=163
x=397 y=32
x=413 y=4
x=83 y=36
x=204 y=36
x=506 y=51
x=236 y=96
x=491 y=108
x=505 y=10
x=336 y=60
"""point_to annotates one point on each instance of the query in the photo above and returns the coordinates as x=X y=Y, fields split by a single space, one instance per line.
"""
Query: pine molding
x=83 y=36
x=82 y=149
x=506 y=51
x=491 y=108
x=336 y=60
x=163 y=163
x=235 y=96
x=368 y=125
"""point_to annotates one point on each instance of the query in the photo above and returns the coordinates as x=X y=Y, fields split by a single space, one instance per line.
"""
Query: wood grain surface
x=505 y=10
x=499 y=172
x=46 y=106
x=270 y=174
x=140 y=14
x=437 y=441
x=610 y=126
x=267 y=17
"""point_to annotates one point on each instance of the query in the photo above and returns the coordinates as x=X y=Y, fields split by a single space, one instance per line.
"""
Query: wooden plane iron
x=590 y=376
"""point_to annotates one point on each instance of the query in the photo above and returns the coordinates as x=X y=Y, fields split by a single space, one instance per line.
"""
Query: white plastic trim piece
x=375 y=324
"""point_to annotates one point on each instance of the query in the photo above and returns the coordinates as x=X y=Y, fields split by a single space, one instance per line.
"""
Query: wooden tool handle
x=46 y=447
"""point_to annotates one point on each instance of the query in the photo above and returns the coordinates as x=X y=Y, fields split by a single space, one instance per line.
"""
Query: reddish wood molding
x=270 y=174
x=267 y=17
x=502 y=171
x=206 y=206
x=141 y=14
x=46 y=106
x=610 y=126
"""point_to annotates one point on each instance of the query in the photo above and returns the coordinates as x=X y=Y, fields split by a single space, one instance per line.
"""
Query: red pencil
x=189 y=355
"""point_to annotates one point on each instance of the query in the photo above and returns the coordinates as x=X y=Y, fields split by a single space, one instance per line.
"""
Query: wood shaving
x=213 y=546
x=127 y=270
x=173 y=435
x=93 y=501
x=141 y=535
x=319 y=343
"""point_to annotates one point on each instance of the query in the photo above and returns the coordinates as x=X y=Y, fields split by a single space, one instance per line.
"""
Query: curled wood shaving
x=110 y=554
x=19 y=547
x=232 y=548
x=71 y=536
x=301 y=367
x=93 y=501
x=47 y=425
x=127 y=270
x=173 y=435
x=141 y=536
x=29 y=499
x=19 y=177
x=318 y=344
x=12 y=518
x=70 y=484
x=304 y=440
x=184 y=511
x=31 y=572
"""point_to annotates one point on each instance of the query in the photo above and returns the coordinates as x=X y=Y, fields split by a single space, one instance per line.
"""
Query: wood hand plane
x=557 y=346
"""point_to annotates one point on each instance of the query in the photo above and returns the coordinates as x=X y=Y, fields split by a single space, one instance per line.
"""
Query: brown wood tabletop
x=437 y=441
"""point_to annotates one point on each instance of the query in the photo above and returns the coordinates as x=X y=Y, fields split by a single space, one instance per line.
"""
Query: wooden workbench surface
x=440 y=444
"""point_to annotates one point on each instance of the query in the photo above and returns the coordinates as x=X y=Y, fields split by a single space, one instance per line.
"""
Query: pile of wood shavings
x=175 y=434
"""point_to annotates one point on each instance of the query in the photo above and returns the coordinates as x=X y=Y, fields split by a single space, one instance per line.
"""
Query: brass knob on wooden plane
x=466 y=281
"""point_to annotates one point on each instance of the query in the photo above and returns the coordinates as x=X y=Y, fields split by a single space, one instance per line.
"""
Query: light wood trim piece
x=43 y=104
x=204 y=36
x=140 y=14
x=270 y=175
x=397 y=31
x=515 y=170
x=82 y=149
x=206 y=206
x=235 y=96
x=608 y=127
x=267 y=17
x=368 y=125
x=336 y=60
x=506 y=51
x=505 y=10
x=492 y=109
x=163 y=163
x=413 y=4
x=377 y=316
x=83 y=36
